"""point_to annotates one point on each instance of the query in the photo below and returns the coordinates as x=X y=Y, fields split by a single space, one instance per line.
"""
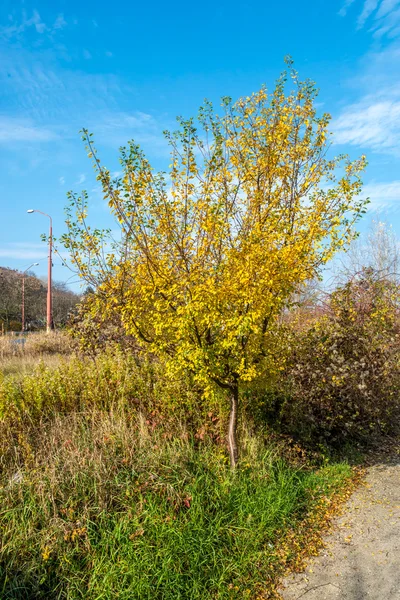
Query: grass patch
x=103 y=508
x=19 y=355
x=113 y=485
x=22 y=365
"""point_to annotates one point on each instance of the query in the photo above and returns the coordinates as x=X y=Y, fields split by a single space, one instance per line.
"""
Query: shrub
x=93 y=327
x=111 y=381
x=48 y=343
x=14 y=325
x=343 y=379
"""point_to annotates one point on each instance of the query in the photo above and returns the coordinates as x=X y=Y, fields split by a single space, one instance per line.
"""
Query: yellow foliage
x=212 y=254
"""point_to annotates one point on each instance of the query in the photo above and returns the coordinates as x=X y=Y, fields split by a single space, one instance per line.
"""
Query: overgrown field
x=115 y=479
x=177 y=447
x=115 y=484
x=20 y=354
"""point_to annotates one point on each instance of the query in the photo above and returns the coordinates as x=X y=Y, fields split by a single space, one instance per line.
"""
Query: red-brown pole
x=49 y=290
x=23 y=304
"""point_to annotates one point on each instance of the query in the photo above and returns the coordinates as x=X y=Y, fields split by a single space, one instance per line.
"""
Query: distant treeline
x=64 y=301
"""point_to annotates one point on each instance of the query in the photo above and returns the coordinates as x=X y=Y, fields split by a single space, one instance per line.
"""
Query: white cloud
x=118 y=128
x=388 y=25
x=60 y=22
x=35 y=86
x=81 y=179
x=62 y=180
x=371 y=123
x=21 y=250
x=15 y=29
x=386 y=7
x=368 y=8
x=109 y=54
x=345 y=7
x=383 y=195
x=58 y=103
x=382 y=14
x=13 y=129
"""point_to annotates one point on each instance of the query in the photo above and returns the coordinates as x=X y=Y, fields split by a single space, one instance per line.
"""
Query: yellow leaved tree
x=211 y=254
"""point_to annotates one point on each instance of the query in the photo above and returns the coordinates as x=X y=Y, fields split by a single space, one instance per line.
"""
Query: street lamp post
x=49 y=319
x=23 y=297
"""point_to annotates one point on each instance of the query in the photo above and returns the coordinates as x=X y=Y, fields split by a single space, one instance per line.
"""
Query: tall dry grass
x=20 y=354
x=35 y=344
x=100 y=505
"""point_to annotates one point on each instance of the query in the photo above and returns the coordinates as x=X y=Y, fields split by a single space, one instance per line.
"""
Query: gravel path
x=361 y=559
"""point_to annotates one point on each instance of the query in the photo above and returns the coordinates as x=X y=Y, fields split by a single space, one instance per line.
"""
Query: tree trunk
x=232 y=433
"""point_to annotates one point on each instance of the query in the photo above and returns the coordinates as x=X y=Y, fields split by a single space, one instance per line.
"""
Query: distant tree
x=378 y=249
x=88 y=291
x=10 y=296
x=64 y=300
x=211 y=255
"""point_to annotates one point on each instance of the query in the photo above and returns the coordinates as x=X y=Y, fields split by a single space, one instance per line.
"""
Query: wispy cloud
x=81 y=179
x=370 y=123
x=48 y=99
x=372 y=120
x=57 y=101
x=369 y=7
x=119 y=127
x=383 y=16
x=62 y=180
x=15 y=28
x=345 y=7
x=14 y=129
x=388 y=26
x=35 y=84
x=383 y=196
x=60 y=22
x=21 y=250
x=386 y=7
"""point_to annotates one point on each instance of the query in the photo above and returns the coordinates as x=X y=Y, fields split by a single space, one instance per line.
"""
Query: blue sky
x=125 y=70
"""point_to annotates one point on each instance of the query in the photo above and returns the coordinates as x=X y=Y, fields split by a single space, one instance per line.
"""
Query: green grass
x=100 y=502
x=107 y=509
x=23 y=365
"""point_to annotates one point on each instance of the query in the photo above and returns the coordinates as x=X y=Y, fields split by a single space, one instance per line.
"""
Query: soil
x=361 y=557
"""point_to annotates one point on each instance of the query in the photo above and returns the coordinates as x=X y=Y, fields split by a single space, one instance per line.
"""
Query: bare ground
x=361 y=558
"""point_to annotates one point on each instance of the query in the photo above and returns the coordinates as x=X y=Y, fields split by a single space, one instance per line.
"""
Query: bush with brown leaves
x=343 y=379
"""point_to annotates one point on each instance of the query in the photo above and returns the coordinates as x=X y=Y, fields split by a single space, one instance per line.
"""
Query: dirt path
x=361 y=559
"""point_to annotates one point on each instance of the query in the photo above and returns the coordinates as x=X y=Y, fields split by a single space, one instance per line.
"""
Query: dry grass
x=25 y=364
x=99 y=505
x=115 y=483
x=20 y=354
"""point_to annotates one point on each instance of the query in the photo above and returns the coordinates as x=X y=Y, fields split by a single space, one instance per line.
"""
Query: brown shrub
x=343 y=378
